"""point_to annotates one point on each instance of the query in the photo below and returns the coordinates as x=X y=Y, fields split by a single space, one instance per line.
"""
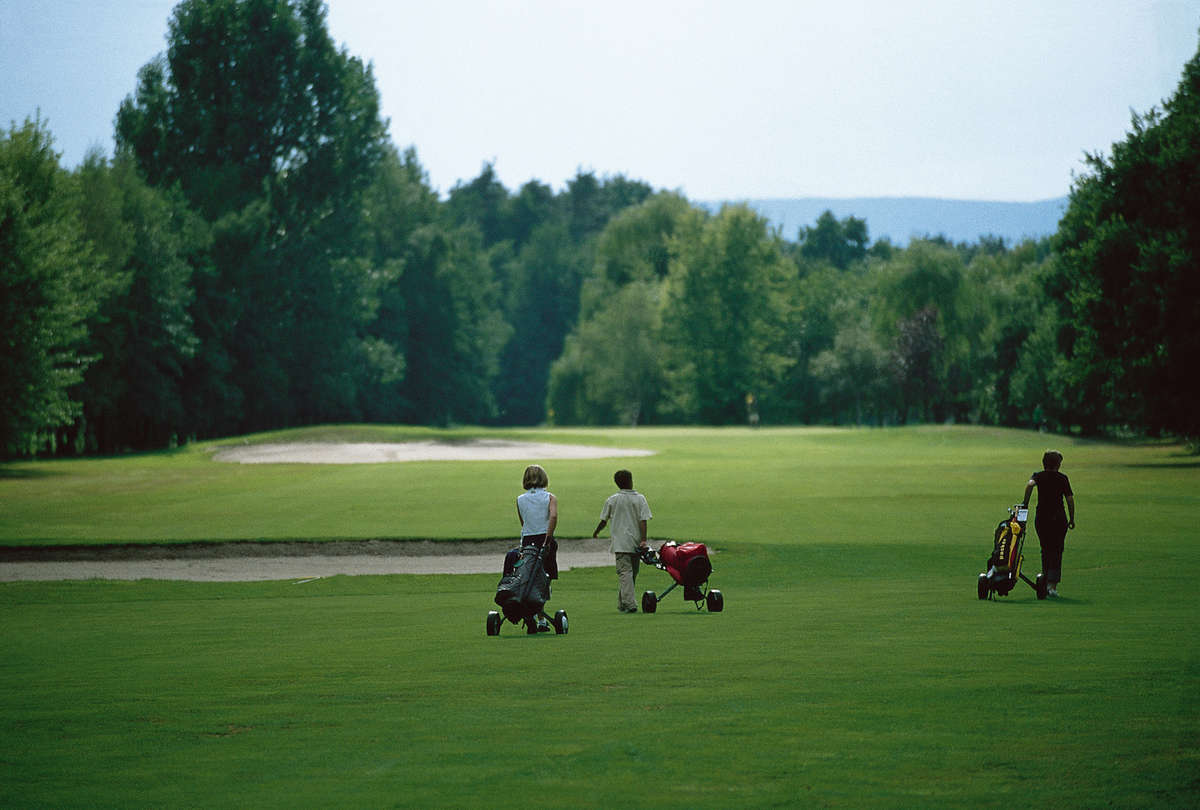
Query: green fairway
x=853 y=665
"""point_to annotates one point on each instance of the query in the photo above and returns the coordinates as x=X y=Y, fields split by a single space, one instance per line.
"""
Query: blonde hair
x=535 y=476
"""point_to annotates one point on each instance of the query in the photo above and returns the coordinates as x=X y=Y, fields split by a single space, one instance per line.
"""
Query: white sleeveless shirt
x=534 y=507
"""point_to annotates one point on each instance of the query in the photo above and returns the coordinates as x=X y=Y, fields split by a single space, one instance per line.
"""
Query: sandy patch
x=304 y=562
x=252 y=562
x=366 y=453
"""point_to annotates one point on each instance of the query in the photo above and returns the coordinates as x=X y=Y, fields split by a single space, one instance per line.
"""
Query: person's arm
x=642 y=526
x=1029 y=485
x=519 y=517
x=553 y=524
x=1070 y=511
x=599 y=527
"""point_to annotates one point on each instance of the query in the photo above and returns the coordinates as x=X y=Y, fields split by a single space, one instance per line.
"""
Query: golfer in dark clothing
x=1051 y=522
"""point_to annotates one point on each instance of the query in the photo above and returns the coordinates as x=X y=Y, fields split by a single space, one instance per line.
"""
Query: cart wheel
x=649 y=602
x=983 y=586
x=494 y=620
x=560 y=623
x=716 y=602
x=1041 y=586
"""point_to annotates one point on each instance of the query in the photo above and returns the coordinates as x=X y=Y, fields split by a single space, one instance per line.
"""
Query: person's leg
x=1052 y=535
x=1052 y=558
x=626 y=572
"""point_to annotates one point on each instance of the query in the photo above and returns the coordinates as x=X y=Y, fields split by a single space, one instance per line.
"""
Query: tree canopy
x=257 y=254
x=1128 y=274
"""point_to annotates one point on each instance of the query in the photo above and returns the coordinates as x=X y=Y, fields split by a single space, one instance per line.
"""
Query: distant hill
x=903 y=218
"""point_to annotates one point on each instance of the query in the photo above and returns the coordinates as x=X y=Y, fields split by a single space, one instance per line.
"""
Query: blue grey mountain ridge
x=902 y=219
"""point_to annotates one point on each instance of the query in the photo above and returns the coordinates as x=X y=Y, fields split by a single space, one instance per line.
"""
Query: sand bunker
x=364 y=453
x=306 y=562
x=303 y=562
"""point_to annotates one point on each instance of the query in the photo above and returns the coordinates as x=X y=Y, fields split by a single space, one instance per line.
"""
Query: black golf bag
x=524 y=590
x=524 y=587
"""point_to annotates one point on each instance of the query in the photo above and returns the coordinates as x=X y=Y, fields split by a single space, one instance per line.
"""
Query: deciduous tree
x=1129 y=274
x=49 y=287
x=273 y=133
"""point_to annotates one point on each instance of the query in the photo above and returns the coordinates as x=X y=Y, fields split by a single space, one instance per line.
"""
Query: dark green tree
x=918 y=365
x=542 y=305
x=1129 y=274
x=397 y=206
x=433 y=343
x=141 y=336
x=273 y=134
x=50 y=285
x=838 y=242
x=825 y=300
x=541 y=257
x=484 y=203
x=532 y=206
x=453 y=328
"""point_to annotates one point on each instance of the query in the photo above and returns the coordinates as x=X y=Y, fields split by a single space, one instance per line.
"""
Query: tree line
x=257 y=254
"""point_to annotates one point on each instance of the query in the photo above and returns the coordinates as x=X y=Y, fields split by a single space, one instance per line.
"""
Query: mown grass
x=771 y=485
x=853 y=665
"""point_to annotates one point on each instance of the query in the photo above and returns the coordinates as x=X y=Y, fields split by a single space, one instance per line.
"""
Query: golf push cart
x=688 y=565
x=522 y=594
x=1004 y=566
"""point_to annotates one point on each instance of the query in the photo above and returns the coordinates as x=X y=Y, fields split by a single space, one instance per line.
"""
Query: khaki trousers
x=627 y=569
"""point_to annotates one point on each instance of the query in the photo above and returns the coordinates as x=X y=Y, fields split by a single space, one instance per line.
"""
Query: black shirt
x=1052 y=487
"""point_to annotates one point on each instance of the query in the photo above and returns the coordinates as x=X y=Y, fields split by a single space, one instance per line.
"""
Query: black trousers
x=1052 y=534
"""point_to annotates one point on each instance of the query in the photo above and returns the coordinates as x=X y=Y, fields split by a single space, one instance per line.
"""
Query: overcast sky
x=719 y=99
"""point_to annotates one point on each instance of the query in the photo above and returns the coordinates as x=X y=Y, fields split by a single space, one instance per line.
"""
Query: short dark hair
x=1052 y=459
x=623 y=479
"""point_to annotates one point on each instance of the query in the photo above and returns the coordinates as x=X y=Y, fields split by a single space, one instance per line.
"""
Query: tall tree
x=542 y=304
x=453 y=328
x=611 y=368
x=728 y=297
x=1129 y=273
x=142 y=335
x=484 y=203
x=50 y=284
x=922 y=295
x=433 y=343
x=273 y=133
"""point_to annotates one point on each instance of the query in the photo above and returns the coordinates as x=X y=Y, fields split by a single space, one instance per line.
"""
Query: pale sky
x=718 y=99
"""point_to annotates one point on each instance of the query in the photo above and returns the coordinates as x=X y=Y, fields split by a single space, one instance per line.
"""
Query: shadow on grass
x=18 y=473
x=1042 y=603
x=1192 y=464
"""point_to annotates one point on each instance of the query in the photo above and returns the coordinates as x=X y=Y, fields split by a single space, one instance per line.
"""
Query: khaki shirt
x=624 y=510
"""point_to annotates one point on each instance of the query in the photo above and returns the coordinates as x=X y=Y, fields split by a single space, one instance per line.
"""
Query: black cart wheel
x=983 y=586
x=716 y=602
x=1041 y=587
x=649 y=602
x=560 y=623
x=494 y=620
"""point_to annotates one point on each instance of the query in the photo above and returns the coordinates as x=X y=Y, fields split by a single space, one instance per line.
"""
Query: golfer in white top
x=628 y=511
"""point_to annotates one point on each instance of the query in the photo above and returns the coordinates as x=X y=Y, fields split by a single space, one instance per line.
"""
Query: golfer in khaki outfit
x=628 y=511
